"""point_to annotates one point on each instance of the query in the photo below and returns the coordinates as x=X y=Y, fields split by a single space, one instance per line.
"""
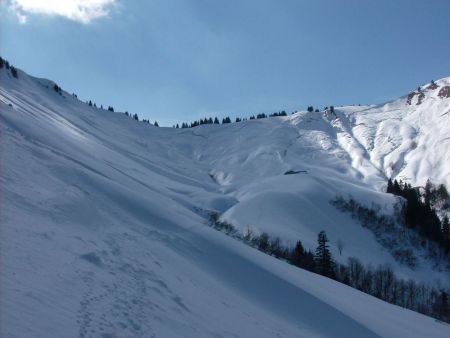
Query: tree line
x=196 y=123
x=419 y=212
x=5 y=64
x=380 y=282
x=226 y=120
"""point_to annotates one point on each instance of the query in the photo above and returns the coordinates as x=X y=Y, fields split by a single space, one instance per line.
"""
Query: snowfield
x=104 y=228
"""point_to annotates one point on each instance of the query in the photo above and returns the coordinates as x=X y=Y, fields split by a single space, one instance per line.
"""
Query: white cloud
x=83 y=11
x=22 y=18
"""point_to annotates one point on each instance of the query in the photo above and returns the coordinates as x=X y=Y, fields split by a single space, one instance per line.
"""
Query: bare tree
x=248 y=235
x=340 y=245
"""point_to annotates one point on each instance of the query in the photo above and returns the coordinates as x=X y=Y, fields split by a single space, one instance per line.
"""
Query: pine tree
x=428 y=192
x=446 y=228
x=14 y=71
x=298 y=254
x=446 y=233
x=323 y=259
x=442 y=194
x=2 y=62
x=156 y=124
x=396 y=188
x=390 y=187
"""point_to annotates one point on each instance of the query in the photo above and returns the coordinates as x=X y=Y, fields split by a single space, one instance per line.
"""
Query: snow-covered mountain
x=103 y=226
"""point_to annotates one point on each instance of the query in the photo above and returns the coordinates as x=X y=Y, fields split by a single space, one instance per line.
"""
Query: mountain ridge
x=122 y=201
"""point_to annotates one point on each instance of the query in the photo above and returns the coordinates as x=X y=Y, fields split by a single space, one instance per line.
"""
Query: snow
x=103 y=229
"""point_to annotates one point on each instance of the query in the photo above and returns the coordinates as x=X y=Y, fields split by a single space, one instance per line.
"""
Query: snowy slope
x=409 y=137
x=103 y=234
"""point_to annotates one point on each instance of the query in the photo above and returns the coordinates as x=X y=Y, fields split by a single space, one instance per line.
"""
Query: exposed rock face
x=410 y=97
x=444 y=92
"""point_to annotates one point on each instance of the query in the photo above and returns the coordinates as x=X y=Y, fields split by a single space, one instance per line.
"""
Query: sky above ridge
x=179 y=60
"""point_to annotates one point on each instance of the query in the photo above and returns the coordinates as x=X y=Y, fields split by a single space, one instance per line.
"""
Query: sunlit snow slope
x=103 y=226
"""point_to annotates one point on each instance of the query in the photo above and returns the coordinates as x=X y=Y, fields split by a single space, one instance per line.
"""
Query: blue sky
x=178 y=60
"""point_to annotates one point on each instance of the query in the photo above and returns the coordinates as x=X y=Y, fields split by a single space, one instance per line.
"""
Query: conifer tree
x=14 y=71
x=428 y=192
x=396 y=189
x=298 y=254
x=442 y=194
x=446 y=233
x=323 y=259
x=390 y=187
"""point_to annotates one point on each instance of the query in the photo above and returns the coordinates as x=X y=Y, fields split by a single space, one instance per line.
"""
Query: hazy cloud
x=83 y=11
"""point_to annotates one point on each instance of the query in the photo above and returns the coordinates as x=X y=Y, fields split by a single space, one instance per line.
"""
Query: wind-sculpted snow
x=408 y=141
x=103 y=218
